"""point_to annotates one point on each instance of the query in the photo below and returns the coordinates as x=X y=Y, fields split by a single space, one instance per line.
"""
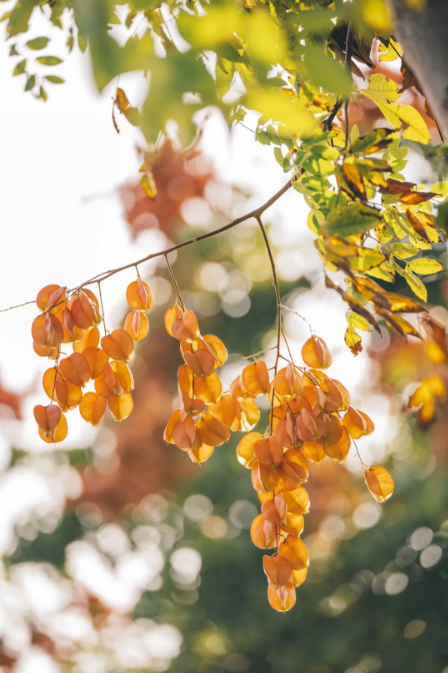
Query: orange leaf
x=212 y=430
x=315 y=353
x=263 y=534
x=97 y=359
x=47 y=330
x=139 y=295
x=296 y=552
x=120 y=405
x=118 y=345
x=255 y=378
x=283 y=598
x=89 y=339
x=136 y=324
x=379 y=482
x=92 y=408
x=76 y=369
x=58 y=434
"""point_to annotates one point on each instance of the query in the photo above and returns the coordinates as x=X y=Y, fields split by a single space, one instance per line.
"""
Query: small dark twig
x=328 y=123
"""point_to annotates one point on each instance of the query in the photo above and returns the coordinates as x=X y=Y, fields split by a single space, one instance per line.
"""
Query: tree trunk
x=423 y=34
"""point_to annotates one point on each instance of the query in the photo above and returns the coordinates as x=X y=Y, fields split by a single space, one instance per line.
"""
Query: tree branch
x=163 y=253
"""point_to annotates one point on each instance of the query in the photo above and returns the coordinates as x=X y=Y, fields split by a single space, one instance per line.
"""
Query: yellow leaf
x=401 y=304
x=366 y=259
x=379 y=482
x=376 y=15
x=399 y=324
x=359 y=322
x=381 y=89
x=440 y=188
x=416 y=285
x=149 y=185
x=403 y=250
x=383 y=272
x=279 y=107
x=425 y=266
x=263 y=39
x=398 y=115
x=353 y=340
x=390 y=53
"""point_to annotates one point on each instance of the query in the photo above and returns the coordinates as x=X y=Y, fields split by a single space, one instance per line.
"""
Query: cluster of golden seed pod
x=311 y=418
x=73 y=318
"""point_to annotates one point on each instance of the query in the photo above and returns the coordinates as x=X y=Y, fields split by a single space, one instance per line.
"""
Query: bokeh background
x=118 y=554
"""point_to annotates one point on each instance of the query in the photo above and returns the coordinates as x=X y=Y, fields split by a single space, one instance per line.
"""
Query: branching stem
x=176 y=286
x=163 y=253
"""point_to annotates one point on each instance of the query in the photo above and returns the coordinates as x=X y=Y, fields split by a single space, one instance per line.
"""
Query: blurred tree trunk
x=423 y=34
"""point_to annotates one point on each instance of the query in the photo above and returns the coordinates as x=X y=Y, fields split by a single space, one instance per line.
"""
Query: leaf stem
x=279 y=303
x=176 y=286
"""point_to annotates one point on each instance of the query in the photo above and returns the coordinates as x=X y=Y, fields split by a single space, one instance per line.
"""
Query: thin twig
x=299 y=316
x=328 y=123
x=107 y=274
x=363 y=464
x=279 y=302
x=287 y=345
x=102 y=309
x=254 y=355
x=176 y=287
x=346 y=125
x=439 y=130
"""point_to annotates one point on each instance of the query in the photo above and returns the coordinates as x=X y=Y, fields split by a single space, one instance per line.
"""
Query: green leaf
x=371 y=142
x=403 y=250
x=49 y=60
x=324 y=71
x=31 y=81
x=425 y=266
x=20 y=68
x=43 y=93
x=20 y=16
x=82 y=42
x=54 y=79
x=316 y=184
x=354 y=133
x=442 y=217
x=278 y=155
x=352 y=219
x=263 y=138
x=38 y=43
x=325 y=152
x=318 y=167
x=230 y=53
x=367 y=259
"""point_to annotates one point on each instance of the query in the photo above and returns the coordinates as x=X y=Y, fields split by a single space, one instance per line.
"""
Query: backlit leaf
x=37 y=43
x=379 y=482
x=425 y=266
x=49 y=60
x=352 y=219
